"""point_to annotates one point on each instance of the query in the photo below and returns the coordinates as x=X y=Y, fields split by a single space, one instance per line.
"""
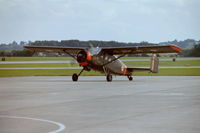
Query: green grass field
x=67 y=58
x=38 y=65
x=69 y=72
x=128 y=63
x=165 y=63
x=63 y=72
x=37 y=58
x=55 y=58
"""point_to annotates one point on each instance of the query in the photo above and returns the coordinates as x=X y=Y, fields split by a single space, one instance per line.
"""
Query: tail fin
x=154 y=64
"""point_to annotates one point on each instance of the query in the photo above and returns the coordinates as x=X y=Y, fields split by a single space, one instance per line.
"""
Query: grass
x=159 y=57
x=165 y=63
x=54 y=58
x=38 y=65
x=68 y=58
x=37 y=58
x=69 y=72
x=41 y=72
x=173 y=72
x=128 y=63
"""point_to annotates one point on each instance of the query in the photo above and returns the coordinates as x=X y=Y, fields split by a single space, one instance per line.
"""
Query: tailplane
x=153 y=66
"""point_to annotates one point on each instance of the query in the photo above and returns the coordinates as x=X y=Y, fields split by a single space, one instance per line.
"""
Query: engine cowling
x=83 y=58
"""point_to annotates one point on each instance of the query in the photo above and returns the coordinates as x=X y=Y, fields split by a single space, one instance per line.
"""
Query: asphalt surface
x=73 y=61
x=149 y=104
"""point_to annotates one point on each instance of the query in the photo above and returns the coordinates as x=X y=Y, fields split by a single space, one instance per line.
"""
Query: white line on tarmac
x=60 y=125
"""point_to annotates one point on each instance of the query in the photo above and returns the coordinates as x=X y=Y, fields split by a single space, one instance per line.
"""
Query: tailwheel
x=75 y=77
x=130 y=78
x=109 y=77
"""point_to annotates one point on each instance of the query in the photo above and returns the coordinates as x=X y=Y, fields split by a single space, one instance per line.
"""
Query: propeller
x=94 y=50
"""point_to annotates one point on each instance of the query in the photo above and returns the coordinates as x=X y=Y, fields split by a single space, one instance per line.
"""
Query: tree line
x=14 y=49
x=18 y=49
x=94 y=43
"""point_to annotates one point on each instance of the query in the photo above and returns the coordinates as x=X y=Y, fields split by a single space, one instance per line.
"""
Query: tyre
x=109 y=78
x=130 y=78
x=75 y=77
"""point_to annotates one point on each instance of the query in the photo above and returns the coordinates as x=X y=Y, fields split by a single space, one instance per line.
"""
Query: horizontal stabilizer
x=153 y=66
x=137 y=69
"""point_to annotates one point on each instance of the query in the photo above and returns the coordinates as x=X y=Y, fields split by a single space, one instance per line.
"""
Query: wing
x=143 y=49
x=72 y=51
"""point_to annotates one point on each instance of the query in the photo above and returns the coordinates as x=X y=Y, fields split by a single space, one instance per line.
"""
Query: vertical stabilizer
x=154 y=64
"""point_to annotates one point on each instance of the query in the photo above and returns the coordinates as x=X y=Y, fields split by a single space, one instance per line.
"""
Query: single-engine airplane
x=106 y=59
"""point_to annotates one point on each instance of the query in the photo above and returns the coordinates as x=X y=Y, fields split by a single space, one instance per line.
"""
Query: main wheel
x=130 y=78
x=109 y=77
x=75 y=77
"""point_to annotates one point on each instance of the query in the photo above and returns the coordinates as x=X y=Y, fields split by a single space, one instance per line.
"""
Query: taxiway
x=153 y=104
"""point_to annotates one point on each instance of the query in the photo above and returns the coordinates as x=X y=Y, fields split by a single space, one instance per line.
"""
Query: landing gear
x=130 y=78
x=109 y=77
x=75 y=76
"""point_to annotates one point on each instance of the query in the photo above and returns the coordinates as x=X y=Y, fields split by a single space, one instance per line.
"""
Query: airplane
x=107 y=59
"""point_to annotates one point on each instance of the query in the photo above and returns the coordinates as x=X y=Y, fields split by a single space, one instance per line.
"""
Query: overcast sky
x=119 y=20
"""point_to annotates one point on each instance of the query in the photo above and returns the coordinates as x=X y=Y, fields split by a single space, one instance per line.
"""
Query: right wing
x=142 y=50
x=72 y=51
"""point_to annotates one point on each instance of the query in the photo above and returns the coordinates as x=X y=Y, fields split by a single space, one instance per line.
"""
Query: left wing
x=143 y=49
x=72 y=51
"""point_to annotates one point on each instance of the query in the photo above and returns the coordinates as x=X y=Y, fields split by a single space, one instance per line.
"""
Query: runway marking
x=60 y=125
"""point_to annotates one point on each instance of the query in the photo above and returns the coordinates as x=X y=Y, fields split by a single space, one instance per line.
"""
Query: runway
x=149 y=104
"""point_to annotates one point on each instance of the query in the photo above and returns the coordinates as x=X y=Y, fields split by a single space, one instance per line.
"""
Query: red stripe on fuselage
x=89 y=56
x=83 y=63
x=125 y=70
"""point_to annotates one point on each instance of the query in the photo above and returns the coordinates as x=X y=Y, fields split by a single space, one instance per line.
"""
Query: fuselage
x=104 y=63
x=114 y=66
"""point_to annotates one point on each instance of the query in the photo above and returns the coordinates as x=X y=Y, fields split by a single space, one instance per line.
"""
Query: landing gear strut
x=75 y=76
x=109 y=77
x=130 y=78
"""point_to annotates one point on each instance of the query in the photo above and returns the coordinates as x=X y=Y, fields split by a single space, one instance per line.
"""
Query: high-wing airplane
x=106 y=60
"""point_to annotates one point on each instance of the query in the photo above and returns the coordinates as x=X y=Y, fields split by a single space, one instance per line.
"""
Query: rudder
x=154 y=64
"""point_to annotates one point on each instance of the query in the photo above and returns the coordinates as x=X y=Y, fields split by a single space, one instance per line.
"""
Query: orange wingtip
x=176 y=48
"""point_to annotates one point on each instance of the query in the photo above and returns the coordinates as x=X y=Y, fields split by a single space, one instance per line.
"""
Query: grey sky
x=119 y=20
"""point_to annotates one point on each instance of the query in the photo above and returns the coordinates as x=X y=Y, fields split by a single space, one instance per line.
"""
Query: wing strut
x=69 y=54
x=113 y=60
